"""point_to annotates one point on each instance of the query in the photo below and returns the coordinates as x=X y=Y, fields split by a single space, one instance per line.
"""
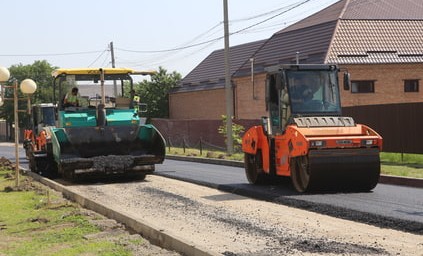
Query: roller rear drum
x=340 y=169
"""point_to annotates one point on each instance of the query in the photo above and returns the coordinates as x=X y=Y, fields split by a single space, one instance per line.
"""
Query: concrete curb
x=156 y=236
x=384 y=179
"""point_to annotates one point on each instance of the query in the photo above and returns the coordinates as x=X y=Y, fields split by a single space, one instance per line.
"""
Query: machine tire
x=140 y=176
x=42 y=166
x=32 y=164
x=300 y=174
x=254 y=169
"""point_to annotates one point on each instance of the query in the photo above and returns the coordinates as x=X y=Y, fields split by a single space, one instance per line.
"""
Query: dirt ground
x=229 y=224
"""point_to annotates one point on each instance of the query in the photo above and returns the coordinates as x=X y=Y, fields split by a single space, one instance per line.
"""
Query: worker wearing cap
x=72 y=98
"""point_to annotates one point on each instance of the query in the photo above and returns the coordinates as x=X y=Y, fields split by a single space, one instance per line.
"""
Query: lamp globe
x=4 y=74
x=28 y=86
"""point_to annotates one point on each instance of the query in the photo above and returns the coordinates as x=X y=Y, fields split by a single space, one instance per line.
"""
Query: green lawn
x=34 y=223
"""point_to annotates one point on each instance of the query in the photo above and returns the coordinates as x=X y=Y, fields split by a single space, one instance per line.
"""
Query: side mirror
x=266 y=125
x=347 y=81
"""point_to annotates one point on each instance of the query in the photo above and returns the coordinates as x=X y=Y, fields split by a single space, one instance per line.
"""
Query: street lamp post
x=27 y=87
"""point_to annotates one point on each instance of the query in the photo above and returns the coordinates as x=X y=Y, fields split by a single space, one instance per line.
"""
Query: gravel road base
x=229 y=224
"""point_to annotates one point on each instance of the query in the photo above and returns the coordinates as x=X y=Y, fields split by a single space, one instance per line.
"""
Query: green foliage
x=237 y=130
x=40 y=72
x=155 y=92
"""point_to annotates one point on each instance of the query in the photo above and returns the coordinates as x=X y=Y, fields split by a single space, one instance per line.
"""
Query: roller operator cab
x=101 y=135
x=305 y=137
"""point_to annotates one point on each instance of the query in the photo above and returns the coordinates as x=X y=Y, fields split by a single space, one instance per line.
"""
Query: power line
x=261 y=15
x=272 y=17
x=183 y=47
x=48 y=54
x=172 y=49
x=106 y=61
x=218 y=38
x=99 y=56
x=166 y=55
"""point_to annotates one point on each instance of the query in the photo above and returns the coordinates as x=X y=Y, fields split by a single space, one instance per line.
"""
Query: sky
x=174 y=34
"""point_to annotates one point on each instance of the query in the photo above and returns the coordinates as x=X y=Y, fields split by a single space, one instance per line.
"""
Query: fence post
x=183 y=144
x=168 y=143
x=201 y=146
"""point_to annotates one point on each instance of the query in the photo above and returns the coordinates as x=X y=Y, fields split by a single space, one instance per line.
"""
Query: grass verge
x=397 y=164
x=35 y=220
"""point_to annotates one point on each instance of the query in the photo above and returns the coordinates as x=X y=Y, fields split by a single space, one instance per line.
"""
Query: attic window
x=381 y=52
x=410 y=55
x=352 y=55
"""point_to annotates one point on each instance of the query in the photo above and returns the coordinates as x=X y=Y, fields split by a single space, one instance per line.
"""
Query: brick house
x=202 y=92
x=379 y=42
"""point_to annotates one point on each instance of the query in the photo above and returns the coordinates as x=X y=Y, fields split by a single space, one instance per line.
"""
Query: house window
x=411 y=85
x=363 y=86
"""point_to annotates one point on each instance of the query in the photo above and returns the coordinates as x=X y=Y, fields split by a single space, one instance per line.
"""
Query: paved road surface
x=387 y=206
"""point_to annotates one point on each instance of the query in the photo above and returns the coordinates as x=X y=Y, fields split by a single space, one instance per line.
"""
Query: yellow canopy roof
x=92 y=71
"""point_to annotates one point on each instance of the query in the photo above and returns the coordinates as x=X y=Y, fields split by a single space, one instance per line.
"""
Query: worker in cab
x=72 y=98
x=304 y=89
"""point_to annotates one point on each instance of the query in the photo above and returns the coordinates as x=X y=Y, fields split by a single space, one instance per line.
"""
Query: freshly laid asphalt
x=390 y=206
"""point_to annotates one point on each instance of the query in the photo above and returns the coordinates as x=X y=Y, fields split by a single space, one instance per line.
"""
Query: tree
x=40 y=72
x=155 y=92
x=237 y=130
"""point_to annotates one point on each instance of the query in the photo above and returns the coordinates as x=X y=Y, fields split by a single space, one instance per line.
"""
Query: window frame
x=416 y=85
x=370 y=83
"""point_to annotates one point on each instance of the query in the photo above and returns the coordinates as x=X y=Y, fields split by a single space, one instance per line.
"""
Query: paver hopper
x=99 y=136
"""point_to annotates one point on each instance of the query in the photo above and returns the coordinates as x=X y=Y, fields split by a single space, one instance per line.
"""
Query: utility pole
x=228 y=85
x=112 y=52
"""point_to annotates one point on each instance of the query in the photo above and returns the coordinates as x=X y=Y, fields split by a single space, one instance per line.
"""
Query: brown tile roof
x=384 y=10
x=349 y=31
x=310 y=37
x=210 y=73
x=377 y=41
x=312 y=44
x=330 y=13
x=376 y=31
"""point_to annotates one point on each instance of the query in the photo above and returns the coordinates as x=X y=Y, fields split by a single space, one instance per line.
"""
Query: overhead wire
x=106 y=61
x=188 y=44
x=220 y=37
x=272 y=17
x=48 y=54
x=163 y=56
x=260 y=15
x=98 y=57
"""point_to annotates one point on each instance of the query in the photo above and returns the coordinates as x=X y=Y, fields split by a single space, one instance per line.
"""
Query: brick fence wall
x=400 y=125
x=190 y=132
